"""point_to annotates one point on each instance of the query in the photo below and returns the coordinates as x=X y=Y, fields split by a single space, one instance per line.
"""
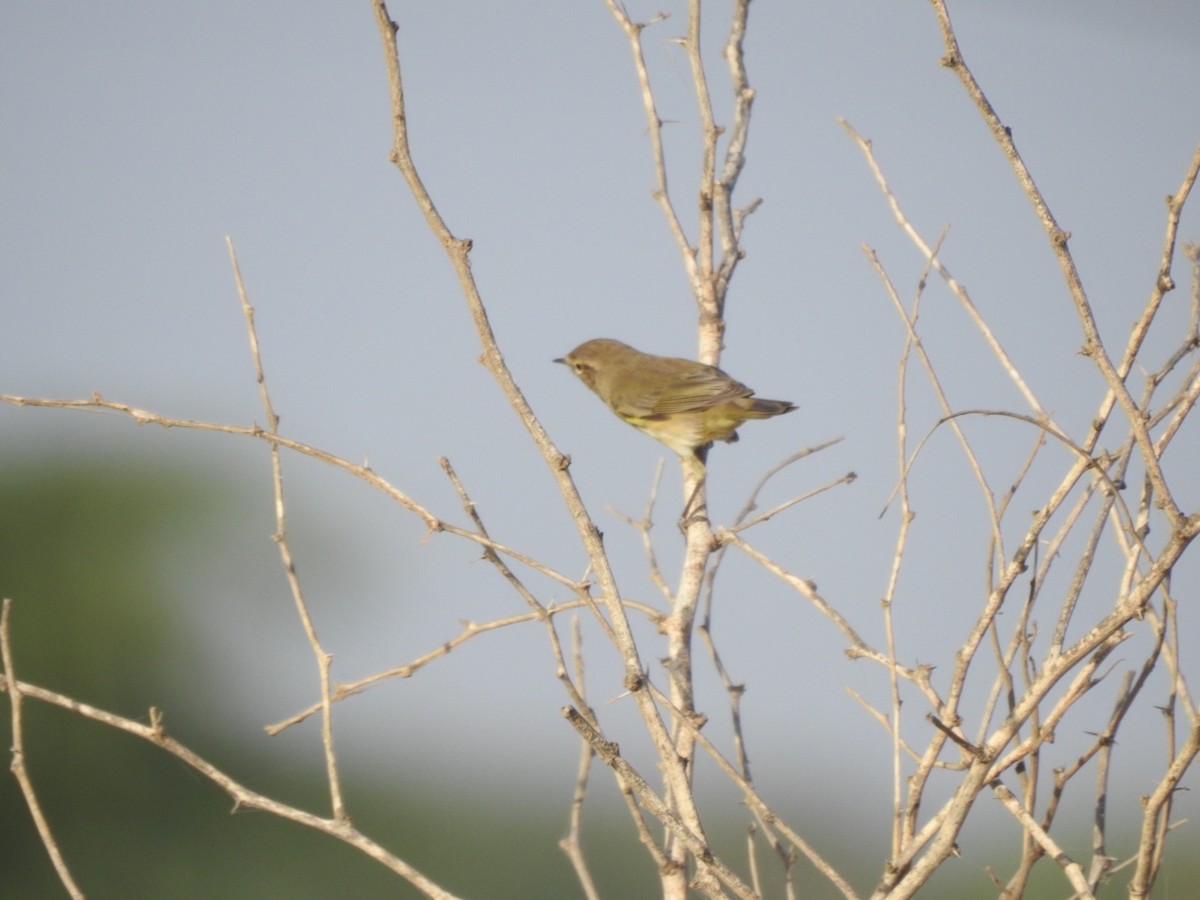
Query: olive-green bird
x=680 y=402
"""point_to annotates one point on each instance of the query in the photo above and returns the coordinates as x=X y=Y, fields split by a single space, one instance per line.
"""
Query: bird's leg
x=694 y=473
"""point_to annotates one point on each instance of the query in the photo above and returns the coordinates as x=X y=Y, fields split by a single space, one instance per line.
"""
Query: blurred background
x=140 y=560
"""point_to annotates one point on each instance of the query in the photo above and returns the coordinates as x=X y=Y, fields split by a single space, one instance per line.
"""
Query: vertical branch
x=709 y=281
x=1163 y=281
x=729 y=221
x=571 y=844
x=1157 y=811
x=654 y=123
x=675 y=770
x=698 y=533
x=680 y=628
x=1157 y=807
x=955 y=286
x=324 y=660
x=18 y=758
x=930 y=254
x=710 y=304
x=899 y=834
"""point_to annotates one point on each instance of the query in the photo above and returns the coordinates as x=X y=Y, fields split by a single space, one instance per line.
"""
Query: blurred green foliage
x=91 y=559
x=89 y=548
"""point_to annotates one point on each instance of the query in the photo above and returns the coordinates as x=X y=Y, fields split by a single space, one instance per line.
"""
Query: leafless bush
x=1107 y=519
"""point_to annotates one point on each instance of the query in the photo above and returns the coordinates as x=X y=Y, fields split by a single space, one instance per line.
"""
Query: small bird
x=680 y=402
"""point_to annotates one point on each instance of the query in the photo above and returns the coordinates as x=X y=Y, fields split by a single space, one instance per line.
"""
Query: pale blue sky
x=135 y=138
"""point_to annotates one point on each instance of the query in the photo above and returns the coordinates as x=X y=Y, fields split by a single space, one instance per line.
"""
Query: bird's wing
x=693 y=391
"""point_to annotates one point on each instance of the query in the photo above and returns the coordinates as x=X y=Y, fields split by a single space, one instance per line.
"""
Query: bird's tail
x=764 y=409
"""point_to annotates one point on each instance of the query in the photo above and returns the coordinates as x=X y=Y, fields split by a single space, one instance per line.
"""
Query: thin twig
x=1030 y=827
x=570 y=844
x=610 y=754
x=1093 y=347
x=243 y=798
x=470 y=630
x=362 y=472
x=848 y=478
x=654 y=123
x=755 y=801
x=643 y=527
x=574 y=694
x=930 y=256
x=323 y=659
x=15 y=692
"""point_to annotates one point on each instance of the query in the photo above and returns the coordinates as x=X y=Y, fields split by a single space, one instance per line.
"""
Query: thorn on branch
x=977 y=752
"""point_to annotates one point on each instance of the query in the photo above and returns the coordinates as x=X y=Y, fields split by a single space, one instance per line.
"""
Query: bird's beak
x=560 y=360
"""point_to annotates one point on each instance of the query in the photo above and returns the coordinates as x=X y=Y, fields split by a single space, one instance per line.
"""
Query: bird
x=684 y=404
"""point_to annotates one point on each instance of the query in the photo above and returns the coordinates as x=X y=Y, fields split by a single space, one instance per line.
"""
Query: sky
x=135 y=140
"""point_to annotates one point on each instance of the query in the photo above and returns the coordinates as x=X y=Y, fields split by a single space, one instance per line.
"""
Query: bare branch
x=1073 y=872
x=458 y=250
x=15 y=692
x=1093 y=346
x=243 y=798
x=610 y=753
x=323 y=659
x=654 y=123
x=364 y=473
x=570 y=844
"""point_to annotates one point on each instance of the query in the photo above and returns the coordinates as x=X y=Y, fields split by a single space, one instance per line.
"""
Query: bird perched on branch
x=680 y=402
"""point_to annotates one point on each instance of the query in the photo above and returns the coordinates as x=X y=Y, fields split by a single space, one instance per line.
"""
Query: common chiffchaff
x=680 y=402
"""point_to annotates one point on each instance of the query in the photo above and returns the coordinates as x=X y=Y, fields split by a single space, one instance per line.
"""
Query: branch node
x=156 y=724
